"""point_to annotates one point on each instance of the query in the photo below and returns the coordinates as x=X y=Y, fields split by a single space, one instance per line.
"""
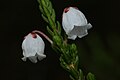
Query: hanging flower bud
x=74 y=23
x=33 y=48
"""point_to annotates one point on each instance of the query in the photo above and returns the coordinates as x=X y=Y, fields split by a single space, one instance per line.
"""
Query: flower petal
x=89 y=26
x=33 y=59
x=73 y=37
x=41 y=56
x=24 y=58
x=76 y=17
x=80 y=31
x=29 y=46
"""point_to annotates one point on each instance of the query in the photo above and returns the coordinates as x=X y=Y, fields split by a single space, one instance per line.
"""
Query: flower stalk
x=42 y=34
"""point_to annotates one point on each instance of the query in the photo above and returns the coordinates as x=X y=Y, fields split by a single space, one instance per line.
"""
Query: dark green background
x=99 y=51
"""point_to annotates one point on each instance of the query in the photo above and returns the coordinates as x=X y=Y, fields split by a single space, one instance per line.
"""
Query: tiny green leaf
x=50 y=31
x=44 y=18
x=72 y=77
x=90 y=76
x=76 y=62
x=43 y=3
x=57 y=40
x=62 y=63
x=53 y=15
x=81 y=75
x=59 y=27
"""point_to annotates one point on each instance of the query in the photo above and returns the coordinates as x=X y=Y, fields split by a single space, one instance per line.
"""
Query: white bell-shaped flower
x=74 y=23
x=33 y=47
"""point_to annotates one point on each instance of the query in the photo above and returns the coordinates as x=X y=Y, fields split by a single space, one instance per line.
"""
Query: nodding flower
x=33 y=48
x=75 y=23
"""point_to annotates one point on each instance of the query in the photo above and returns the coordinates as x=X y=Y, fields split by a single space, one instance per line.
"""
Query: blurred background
x=99 y=51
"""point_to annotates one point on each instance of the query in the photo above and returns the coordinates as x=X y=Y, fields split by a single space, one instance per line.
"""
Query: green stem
x=69 y=59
